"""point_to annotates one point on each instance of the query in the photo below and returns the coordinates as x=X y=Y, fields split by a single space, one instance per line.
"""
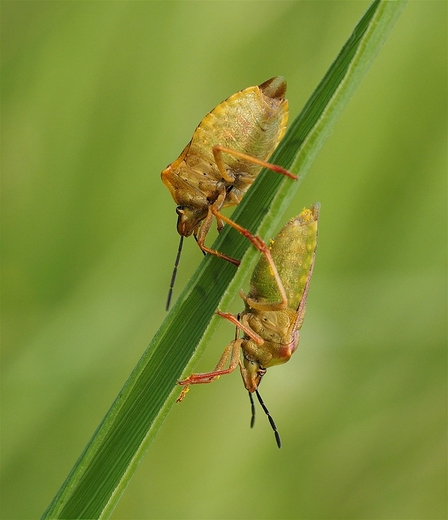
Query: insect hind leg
x=218 y=150
x=264 y=249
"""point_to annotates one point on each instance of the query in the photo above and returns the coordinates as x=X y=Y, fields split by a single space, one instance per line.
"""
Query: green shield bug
x=274 y=307
x=226 y=153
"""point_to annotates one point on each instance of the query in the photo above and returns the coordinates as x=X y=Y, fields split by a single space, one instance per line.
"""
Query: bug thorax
x=271 y=325
x=188 y=219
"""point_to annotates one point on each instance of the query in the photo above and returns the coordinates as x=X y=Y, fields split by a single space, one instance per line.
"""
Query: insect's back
x=293 y=252
x=252 y=121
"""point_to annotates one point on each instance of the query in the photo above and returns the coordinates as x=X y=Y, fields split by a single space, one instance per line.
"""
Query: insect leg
x=205 y=228
x=196 y=238
x=233 y=319
x=264 y=249
x=252 y=410
x=218 y=150
x=232 y=350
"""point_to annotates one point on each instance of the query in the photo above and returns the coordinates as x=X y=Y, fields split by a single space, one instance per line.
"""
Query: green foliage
x=365 y=333
x=121 y=440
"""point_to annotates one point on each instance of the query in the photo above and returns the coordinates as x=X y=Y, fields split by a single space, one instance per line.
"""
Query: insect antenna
x=271 y=420
x=173 y=276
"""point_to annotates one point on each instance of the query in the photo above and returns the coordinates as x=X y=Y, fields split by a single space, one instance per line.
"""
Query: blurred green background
x=97 y=98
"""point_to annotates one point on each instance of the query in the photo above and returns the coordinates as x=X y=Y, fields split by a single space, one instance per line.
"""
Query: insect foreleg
x=232 y=350
x=205 y=228
x=245 y=328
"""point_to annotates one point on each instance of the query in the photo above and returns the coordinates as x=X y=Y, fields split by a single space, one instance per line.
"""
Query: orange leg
x=218 y=150
x=214 y=210
x=205 y=228
x=246 y=329
x=232 y=350
x=264 y=249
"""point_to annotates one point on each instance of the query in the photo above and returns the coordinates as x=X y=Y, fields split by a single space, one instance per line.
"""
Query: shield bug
x=274 y=308
x=226 y=153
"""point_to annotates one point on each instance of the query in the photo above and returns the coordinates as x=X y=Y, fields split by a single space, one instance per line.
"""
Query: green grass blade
x=95 y=484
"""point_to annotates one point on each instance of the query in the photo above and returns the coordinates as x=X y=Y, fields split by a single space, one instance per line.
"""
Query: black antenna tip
x=278 y=440
x=271 y=420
